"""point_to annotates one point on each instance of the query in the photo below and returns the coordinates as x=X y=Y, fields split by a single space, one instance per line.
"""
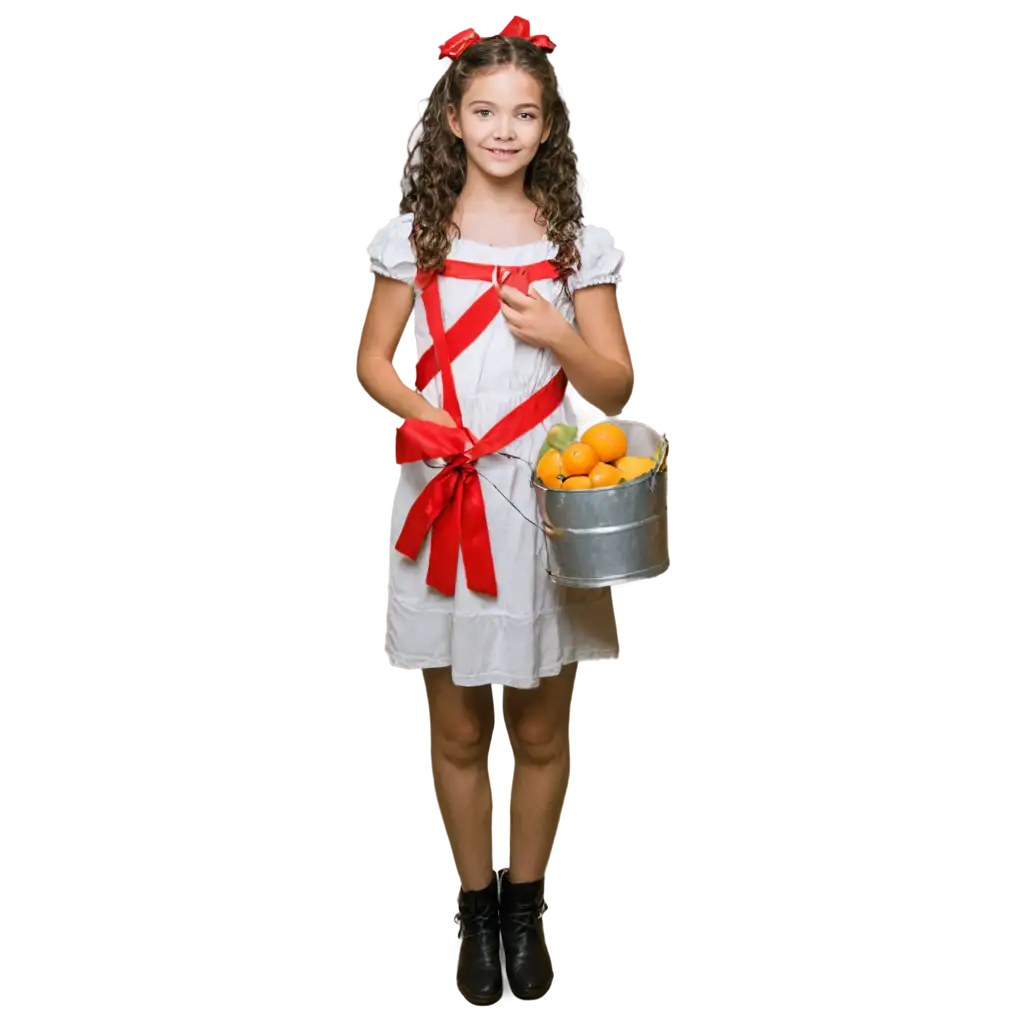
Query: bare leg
x=461 y=725
x=538 y=728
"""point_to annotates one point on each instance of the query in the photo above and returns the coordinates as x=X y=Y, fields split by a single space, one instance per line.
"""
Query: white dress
x=534 y=626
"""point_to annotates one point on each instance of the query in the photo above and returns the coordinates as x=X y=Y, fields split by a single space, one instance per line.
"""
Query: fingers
x=511 y=315
x=514 y=297
x=519 y=309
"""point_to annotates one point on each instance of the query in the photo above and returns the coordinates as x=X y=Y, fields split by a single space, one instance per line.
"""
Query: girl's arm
x=596 y=360
x=390 y=307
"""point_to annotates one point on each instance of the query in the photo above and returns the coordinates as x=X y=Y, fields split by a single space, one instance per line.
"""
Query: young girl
x=507 y=317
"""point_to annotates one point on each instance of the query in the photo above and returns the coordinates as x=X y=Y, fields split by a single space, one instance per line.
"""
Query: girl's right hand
x=434 y=415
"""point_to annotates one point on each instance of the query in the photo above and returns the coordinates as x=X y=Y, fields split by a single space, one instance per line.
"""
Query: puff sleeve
x=600 y=261
x=391 y=253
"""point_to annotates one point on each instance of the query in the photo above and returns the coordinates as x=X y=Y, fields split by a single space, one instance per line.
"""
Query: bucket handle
x=662 y=456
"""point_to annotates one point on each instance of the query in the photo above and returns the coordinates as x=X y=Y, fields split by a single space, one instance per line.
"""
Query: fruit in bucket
x=605 y=475
x=632 y=466
x=599 y=459
x=549 y=469
x=559 y=437
x=577 y=483
x=579 y=459
x=607 y=439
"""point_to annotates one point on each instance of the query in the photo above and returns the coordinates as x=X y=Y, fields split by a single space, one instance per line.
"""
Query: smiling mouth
x=503 y=152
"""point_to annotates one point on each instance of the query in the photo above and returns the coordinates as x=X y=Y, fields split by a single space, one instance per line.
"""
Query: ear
x=453 y=121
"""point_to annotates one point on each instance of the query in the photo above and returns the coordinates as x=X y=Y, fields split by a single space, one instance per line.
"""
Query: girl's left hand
x=531 y=318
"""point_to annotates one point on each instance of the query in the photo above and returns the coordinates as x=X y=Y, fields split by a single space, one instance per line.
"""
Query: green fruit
x=561 y=435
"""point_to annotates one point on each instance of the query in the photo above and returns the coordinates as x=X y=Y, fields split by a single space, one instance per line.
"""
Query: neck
x=493 y=195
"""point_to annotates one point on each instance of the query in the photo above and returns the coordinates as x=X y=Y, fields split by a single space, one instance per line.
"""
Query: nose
x=504 y=131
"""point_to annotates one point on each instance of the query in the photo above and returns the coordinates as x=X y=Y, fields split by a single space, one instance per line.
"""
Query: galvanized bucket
x=610 y=534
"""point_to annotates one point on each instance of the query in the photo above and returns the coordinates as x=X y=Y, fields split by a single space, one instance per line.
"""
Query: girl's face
x=501 y=111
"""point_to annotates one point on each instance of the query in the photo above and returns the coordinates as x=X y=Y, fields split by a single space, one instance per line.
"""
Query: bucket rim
x=644 y=479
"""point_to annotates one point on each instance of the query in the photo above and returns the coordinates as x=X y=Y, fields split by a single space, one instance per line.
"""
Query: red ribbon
x=483 y=310
x=452 y=504
x=453 y=47
x=519 y=27
x=522 y=28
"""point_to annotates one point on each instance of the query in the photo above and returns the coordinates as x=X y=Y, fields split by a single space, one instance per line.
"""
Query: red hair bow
x=521 y=28
x=516 y=27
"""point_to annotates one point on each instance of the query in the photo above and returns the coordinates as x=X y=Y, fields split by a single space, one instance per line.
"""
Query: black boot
x=479 y=972
x=527 y=962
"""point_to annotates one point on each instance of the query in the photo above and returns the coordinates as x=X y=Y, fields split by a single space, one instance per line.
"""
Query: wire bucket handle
x=662 y=454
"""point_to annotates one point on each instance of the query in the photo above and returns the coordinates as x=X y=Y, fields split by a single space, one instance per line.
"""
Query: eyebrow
x=517 y=107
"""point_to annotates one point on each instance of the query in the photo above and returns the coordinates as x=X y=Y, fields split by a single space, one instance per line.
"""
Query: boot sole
x=533 y=993
x=480 y=1000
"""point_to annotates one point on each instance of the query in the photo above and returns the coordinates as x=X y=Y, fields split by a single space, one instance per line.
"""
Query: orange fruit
x=633 y=466
x=578 y=459
x=603 y=475
x=576 y=483
x=607 y=439
x=549 y=469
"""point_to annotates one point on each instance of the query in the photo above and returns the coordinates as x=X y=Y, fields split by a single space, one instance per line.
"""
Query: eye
x=531 y=116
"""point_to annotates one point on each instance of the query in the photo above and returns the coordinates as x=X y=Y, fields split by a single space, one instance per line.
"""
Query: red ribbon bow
x=519 y=27
x=452 y=505
x=522 y=28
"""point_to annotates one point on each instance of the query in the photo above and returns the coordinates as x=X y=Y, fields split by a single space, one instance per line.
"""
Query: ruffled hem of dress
x=498 y=679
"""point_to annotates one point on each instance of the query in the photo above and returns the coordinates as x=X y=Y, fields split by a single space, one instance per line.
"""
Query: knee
x=538 y=740
x=463 y=741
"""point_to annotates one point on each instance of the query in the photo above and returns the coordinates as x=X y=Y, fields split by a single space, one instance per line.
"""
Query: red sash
x=452 y=503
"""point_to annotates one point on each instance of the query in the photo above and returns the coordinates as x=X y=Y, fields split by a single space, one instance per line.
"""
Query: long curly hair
x=435 y=171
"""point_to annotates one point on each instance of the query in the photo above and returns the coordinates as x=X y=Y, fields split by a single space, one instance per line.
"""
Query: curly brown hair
x=431 y=184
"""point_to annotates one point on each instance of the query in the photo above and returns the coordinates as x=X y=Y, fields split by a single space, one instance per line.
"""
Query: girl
x=507 y=317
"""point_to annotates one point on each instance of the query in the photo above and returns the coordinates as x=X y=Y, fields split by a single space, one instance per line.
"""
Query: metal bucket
x=611 y=534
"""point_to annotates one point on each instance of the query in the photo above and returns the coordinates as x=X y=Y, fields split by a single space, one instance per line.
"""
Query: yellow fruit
x=576 y=483
x=549 y=469
x=578 y=459
x=603 y=475
x=607 y=439
x=633 y=466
